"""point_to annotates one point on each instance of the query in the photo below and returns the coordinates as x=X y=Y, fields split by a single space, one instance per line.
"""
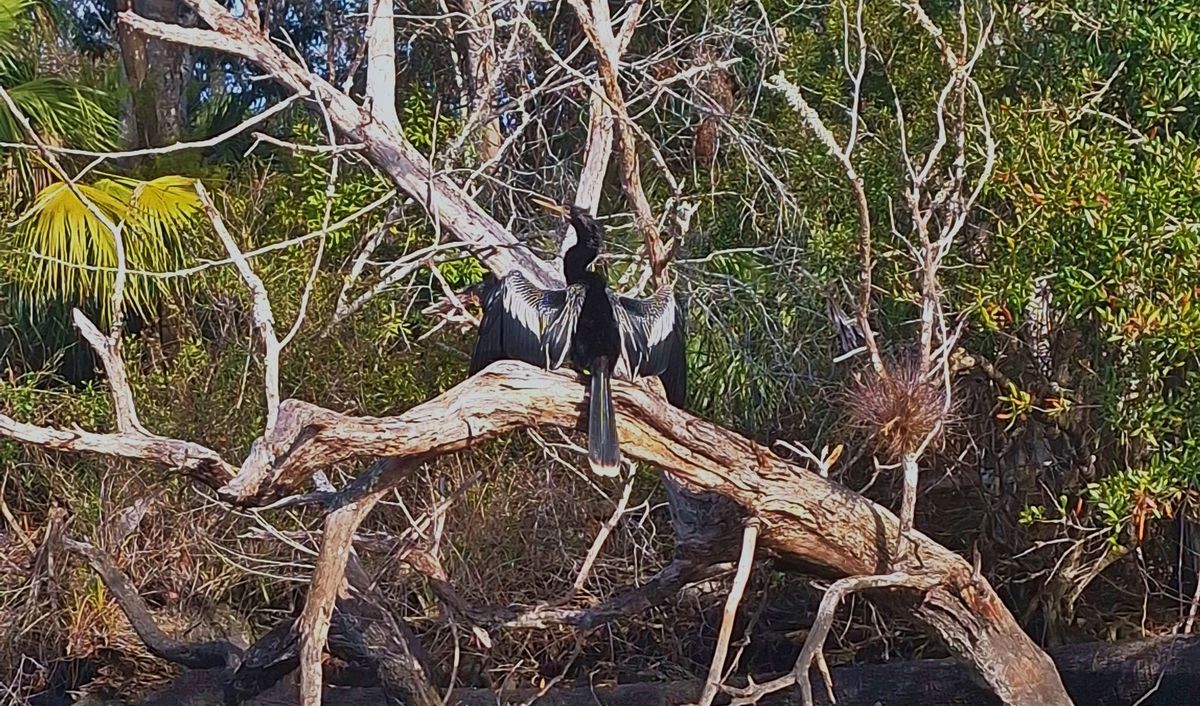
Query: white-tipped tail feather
x=604 y=451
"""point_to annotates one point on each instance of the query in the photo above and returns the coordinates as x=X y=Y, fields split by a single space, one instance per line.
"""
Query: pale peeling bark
x=806 y=519
x=381 y=63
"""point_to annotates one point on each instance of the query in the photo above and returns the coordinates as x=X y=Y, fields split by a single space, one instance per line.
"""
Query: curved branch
x=219 y=653
x=807 y=519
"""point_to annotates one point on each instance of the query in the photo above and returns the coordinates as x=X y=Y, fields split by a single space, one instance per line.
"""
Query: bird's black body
x=602 y=334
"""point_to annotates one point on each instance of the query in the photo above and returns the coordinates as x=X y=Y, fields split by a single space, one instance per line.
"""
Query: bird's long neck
x=576 y=262
x=583 y=253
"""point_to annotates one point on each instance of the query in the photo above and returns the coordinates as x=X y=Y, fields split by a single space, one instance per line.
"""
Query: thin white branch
x=264 y=320
x=716 y=670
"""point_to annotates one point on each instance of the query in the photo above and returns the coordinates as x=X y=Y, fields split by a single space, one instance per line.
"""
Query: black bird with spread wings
x=595 y=330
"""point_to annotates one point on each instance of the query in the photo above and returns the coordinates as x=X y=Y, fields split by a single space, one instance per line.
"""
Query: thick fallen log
x=1160 y=671
x=807 y=519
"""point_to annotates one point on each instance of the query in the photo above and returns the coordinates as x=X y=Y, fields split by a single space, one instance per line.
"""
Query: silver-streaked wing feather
x=652 y=339
x=556 y=339
x=522 y=321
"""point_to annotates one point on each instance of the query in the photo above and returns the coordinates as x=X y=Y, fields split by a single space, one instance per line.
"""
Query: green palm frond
x=73 y=255
x=14 y=14
x=62 y=111
x=165 y=205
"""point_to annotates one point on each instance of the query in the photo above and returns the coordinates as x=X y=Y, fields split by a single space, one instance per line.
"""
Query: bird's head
x=587 y=229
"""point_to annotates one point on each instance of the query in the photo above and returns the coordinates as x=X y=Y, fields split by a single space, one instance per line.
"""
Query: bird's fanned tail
x=604 y=452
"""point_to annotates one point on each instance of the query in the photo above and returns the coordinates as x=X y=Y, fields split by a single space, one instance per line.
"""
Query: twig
x=605 y=530
x=296 y=147
x=716 y=670
x=751 y=694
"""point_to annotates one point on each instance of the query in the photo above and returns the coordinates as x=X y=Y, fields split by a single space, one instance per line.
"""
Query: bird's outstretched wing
x=522 y=321
x=653 y=339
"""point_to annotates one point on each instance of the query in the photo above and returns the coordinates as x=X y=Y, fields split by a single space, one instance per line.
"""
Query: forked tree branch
x=598 y=27
x=811 y=650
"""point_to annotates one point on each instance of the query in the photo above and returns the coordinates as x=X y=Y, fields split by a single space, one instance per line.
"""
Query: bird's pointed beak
x=551 y=206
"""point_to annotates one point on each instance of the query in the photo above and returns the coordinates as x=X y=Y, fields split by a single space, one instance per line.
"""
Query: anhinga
x=601 y=333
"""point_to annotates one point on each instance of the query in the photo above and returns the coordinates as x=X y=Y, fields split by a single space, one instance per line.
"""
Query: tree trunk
x=154 y=69
x=480 y=35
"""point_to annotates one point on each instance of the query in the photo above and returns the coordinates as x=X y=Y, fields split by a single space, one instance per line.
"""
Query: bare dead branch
x=264 y=319
x=326 y=584
x=716 y=670
x=449 y=205
x=200 y=656
x=108 y=348
x=811 y=118
x=381 y=63
x=601 y=536
x=101 y=157
x=192 y=459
